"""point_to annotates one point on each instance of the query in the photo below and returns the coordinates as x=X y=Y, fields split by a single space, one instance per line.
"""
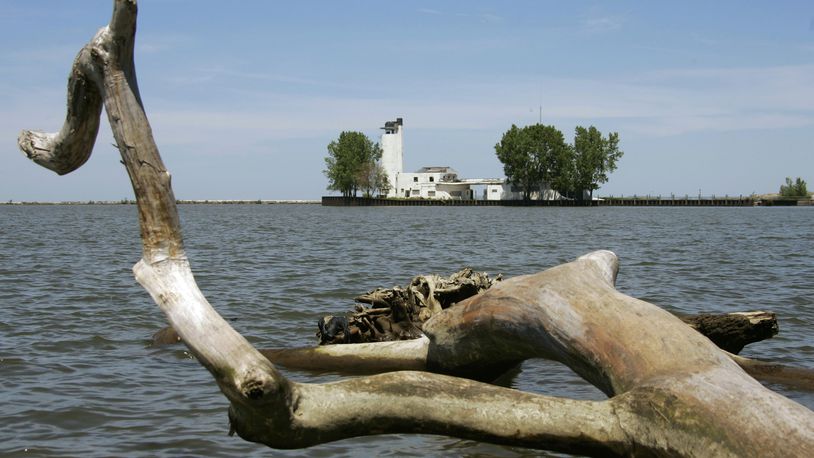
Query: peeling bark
x=672 y=392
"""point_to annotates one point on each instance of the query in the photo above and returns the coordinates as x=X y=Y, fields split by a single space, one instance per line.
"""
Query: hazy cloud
x=603 y=24
x=491 y=18
x=429 y=11
x=662 y=103
x=482 y=17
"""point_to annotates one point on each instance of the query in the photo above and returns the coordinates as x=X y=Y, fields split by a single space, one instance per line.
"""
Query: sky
x=715 y=98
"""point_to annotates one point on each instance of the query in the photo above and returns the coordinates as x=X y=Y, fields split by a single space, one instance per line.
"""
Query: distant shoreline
x=180 y=202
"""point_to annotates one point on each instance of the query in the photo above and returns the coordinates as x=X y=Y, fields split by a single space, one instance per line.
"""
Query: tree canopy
x=538 y=155
x=351 y=164
x=797 y=188
x=532 y=155
x=594 y=157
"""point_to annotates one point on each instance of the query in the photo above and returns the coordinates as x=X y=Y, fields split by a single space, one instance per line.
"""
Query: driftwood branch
x=729 y=331
x=66 y=150
x=671 y=390
x=733 y=331
x=399 y=313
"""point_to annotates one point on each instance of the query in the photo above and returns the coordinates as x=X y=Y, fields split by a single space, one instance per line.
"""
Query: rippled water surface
x=78 y=377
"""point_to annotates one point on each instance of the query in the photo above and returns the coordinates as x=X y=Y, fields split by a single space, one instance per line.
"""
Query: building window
x=430 y=193
x=432 y=179
x=415 y=179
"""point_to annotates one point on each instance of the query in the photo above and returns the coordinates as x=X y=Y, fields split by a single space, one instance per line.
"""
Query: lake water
x=78 y=377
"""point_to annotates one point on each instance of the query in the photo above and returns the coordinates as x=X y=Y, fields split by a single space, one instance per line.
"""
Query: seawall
x=340 y=201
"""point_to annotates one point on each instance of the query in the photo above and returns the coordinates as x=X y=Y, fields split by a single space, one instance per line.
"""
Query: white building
x=439 y=182
x=392 y=161
x=508 y=191
x=433 y=183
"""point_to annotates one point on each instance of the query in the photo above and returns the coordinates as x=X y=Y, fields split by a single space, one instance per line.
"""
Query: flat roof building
x=437 y=182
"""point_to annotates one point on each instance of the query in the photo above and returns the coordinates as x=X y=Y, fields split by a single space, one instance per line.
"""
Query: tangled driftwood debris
x=398 y=313
x=670 y=390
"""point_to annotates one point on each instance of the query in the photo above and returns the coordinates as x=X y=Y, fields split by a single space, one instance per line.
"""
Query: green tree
x=532 y=155
x=797 y=188
x=514 y=154
x=563 y=181
x=350 y=159
x=551 y=155
x=594 y=157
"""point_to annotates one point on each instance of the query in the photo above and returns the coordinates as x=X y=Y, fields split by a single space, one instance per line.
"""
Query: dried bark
x=672 y=391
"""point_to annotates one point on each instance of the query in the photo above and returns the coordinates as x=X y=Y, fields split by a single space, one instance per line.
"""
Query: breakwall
x=340 y=201
x=685 y=202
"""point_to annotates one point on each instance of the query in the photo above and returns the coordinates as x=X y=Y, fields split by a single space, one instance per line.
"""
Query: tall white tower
x=392 y=161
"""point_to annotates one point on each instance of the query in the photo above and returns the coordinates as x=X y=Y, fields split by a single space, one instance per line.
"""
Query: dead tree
x=671 y=391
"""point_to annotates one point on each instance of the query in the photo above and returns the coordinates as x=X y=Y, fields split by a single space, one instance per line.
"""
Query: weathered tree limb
x=372 y=358
x=164 y=270
x=361 y=358
x=673 y=391
x=733 y=331
x=799 y=378
x=67 y=150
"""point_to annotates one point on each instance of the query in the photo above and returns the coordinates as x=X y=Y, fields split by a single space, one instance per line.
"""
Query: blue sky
x=244 y=96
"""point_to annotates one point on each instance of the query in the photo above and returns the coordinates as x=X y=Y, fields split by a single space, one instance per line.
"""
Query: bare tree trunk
x=672 y=391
